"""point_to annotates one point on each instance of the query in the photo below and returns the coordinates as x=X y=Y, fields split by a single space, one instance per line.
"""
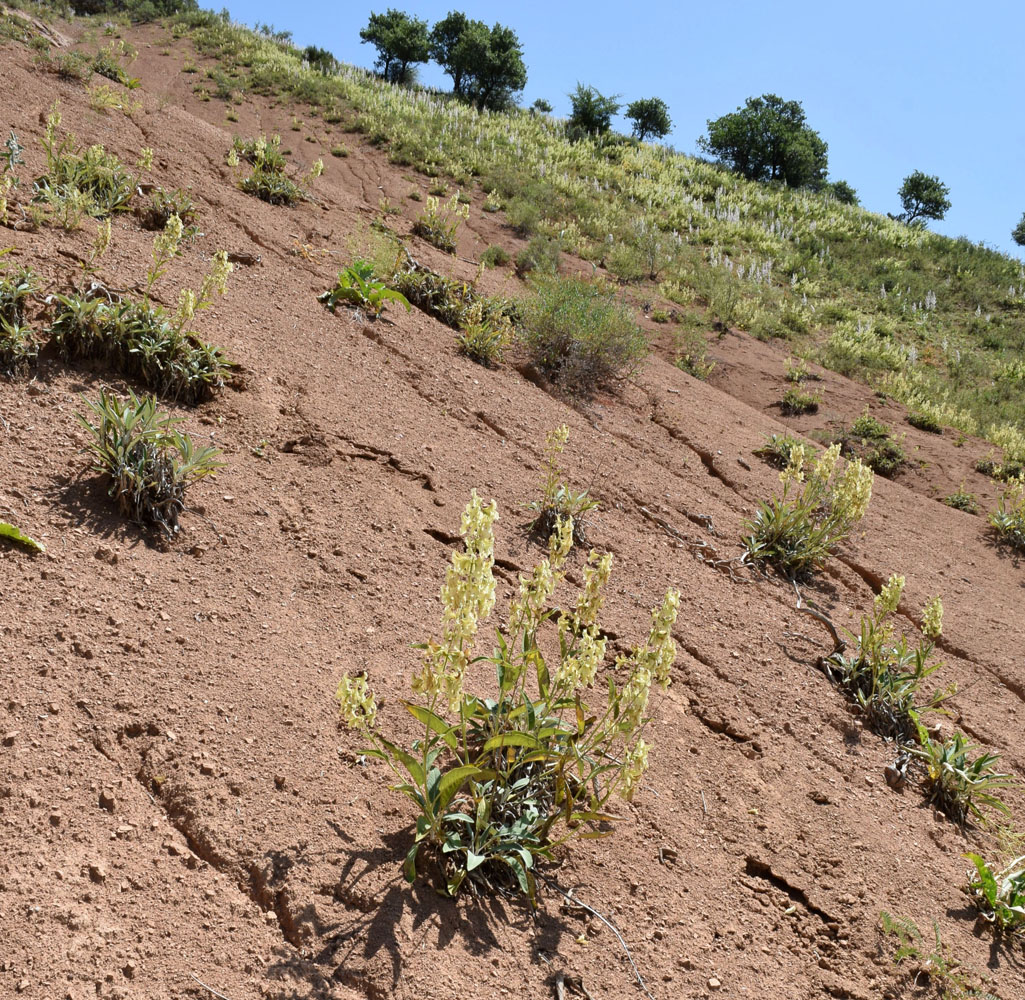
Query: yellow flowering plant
x=502 y=781
x=884 y=675
x=799 y=530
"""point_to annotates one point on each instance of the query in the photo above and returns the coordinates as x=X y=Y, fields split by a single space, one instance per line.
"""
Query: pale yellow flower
x=357 y=704
x=932 y=619
x=596 y=575
x=889 y=597
x=634 y=765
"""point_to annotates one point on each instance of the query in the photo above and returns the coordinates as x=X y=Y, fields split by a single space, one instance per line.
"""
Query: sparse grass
x=340 y=151
x=798 y=531
x=932 y=320
x=930 y=961
x=580 y=335
x=499 y=783
x=150 y=463
x=795 y=403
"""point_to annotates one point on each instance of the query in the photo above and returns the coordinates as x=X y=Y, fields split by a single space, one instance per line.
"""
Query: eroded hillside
x=180 y=804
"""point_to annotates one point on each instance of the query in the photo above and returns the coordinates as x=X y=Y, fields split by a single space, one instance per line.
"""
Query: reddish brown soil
x=177 y=798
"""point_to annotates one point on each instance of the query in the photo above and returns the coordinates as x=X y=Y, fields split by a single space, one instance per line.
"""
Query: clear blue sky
x=892 y=87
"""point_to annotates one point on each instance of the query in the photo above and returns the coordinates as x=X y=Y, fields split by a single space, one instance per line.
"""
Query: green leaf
x=451 y=782
x=416 y=772
x=409 y=865
x=435 y=723
x=987 y=881
x=12 y=534
x=474 y=860
x=512 y=740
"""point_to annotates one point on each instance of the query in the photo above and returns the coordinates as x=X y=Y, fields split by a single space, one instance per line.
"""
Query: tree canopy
x=592 y=111
x=444 y=39
x=486 y=64
x=923 y=196
x=650 y=116
x=1018 y=233
x=401 y=41
x=768 y=139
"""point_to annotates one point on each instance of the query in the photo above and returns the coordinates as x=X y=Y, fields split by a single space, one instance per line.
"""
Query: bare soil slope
x=177 y=799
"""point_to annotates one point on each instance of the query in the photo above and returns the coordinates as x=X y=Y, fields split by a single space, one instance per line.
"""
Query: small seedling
x=18 y=345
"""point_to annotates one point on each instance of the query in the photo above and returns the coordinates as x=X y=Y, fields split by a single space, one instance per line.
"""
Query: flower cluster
x=467 y=597
x=356 y=700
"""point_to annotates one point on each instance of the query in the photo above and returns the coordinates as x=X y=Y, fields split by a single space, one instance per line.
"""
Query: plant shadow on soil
x=373 y=923
x=1008 y=949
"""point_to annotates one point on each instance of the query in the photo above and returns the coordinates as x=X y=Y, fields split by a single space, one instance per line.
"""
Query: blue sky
x=891 y=87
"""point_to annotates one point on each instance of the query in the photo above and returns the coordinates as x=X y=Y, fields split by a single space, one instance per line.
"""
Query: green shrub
x=357 y=286
x=439 y=226
x=340 y=151
x=963 y=500
x=1008 y=521
x=799 y=530
x=500 y=781
x=494 y=256
x=558 y=501
x=483 y=338
x=455 y=303
x=779 y=450
x=884 y=675
x=871 y=440
x=145 y=341
x=798 y=371
x=579 y=335
x=541 y=254
x=925 y=422
x=961 y=785
x=150 y=463
x=999 y=894
x=268 y=179
x=163 y=204
x=109 y=62
x=18 y=345
x=78 y=183
x=796 y=403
